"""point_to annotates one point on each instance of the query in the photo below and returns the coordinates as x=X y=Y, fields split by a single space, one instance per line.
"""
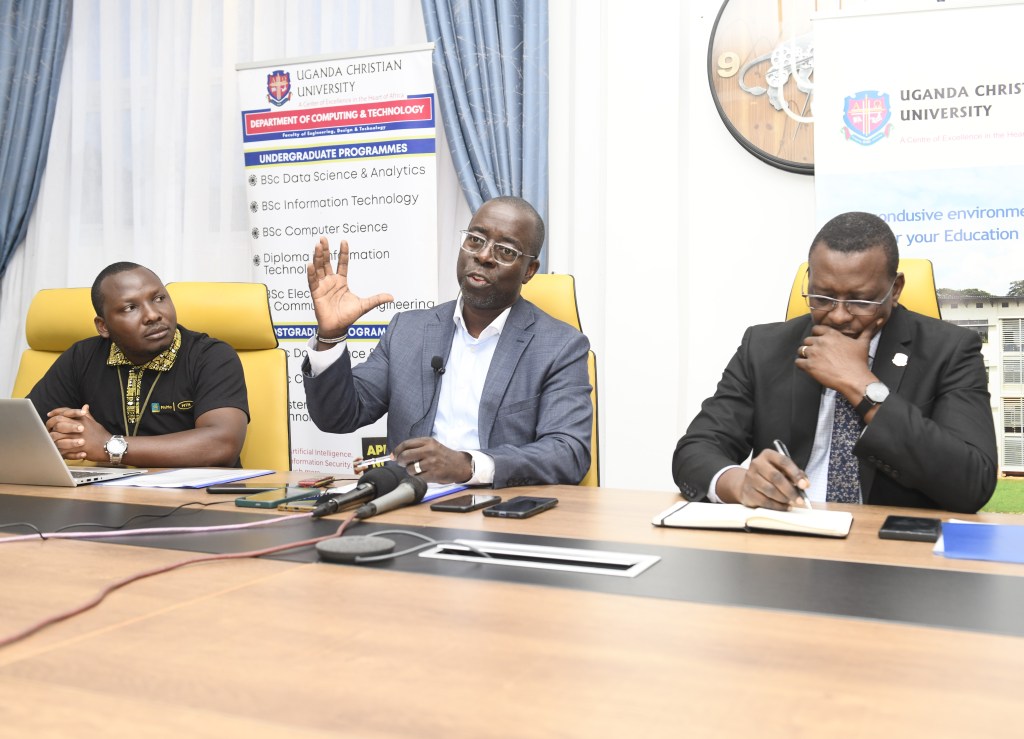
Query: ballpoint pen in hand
x=781 y=449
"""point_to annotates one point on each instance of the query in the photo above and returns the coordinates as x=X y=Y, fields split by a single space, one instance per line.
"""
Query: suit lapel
x=891 y=356
x=806 y=400
x=897 y=338
x=511 y=344
x=437 y=342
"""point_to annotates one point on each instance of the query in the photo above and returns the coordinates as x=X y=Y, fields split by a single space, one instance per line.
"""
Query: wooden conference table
x=274 y=647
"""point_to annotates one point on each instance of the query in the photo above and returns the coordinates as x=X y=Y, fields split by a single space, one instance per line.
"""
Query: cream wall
x=678 y=237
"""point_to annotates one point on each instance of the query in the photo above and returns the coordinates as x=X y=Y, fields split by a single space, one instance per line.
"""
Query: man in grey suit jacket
x=487 y=389
x=917 y=383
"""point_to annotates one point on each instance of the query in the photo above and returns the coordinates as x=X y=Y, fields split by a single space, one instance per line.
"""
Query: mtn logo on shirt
x=181 y=405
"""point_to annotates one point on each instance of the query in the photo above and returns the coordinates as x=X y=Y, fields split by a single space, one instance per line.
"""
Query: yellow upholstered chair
x=918 y=291
x=239 y=313
x=56 y=320
x=236 y=313
x=556 y=296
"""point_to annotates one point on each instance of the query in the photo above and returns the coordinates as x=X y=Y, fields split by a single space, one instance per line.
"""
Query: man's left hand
x=838 y=361
x=431 y=461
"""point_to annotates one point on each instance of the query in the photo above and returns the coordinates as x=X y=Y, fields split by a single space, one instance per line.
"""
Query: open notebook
x=29 y=457
x=735 y=516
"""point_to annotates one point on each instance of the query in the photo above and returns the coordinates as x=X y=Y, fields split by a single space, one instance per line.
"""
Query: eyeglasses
x=824 y=304
x=475 y=243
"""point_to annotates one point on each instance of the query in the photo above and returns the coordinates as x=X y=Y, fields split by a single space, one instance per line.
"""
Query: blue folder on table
x=987 y=541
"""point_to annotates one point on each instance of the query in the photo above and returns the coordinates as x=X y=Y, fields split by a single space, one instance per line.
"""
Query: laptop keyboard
x=80 y=474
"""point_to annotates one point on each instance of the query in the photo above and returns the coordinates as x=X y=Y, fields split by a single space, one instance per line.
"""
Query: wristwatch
x=874 y=394
x=116 y=447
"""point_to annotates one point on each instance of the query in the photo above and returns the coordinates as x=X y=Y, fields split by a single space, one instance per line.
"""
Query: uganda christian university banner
x=919 y=118
x=341 y=147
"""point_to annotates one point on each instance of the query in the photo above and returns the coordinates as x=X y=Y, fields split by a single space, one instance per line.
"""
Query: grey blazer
x=535 y=412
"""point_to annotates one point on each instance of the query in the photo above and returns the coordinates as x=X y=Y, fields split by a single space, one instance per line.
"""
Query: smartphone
x=274 y=498
x=301 y=505
x=521 y=506
x=910 y=528
x=245 y=488
x=465 y=503
x=316 y=482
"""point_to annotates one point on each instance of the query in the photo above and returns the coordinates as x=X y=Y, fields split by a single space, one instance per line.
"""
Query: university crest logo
x=279 y=87
x=866 y=116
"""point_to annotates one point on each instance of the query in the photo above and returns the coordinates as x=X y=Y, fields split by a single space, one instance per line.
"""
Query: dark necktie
x=843 y=472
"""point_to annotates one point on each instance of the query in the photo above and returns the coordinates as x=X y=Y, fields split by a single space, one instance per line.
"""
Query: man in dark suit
x=877 y=404
x=487 y=389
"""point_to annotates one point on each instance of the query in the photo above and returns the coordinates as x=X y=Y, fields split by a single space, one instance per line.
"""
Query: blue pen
x=781 y=449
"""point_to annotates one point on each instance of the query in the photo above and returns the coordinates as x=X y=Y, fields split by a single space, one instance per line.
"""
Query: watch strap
x=865 y=405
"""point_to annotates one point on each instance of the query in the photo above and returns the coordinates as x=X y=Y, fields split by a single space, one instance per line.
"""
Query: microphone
x=438 y=364
x=372 y=484
x=410 y=490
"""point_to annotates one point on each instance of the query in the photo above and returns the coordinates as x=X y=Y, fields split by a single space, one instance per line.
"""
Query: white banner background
x=342 y=147
x=945 y=168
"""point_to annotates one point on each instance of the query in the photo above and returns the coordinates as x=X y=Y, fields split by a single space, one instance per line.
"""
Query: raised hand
x=335 y=305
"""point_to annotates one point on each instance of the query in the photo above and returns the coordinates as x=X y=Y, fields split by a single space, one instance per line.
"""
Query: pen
x=375 y=460
x=781 y=449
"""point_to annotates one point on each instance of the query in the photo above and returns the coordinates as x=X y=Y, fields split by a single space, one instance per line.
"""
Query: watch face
x=116 y=446
x=761 y=71
x=877 y=392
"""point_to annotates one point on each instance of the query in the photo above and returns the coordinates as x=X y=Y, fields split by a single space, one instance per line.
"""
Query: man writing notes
x=875 y=403
x=146 y=391
x=486 y=389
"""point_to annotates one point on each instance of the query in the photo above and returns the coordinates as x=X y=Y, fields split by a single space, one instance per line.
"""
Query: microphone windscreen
x=384 y=479
x=437 y=364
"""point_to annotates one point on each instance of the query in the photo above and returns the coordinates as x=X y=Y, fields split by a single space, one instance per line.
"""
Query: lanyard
x=124 y=399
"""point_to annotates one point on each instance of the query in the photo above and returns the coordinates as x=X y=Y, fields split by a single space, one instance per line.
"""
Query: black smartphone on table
x=465 y=503
x=521 y=506
x=911 y=528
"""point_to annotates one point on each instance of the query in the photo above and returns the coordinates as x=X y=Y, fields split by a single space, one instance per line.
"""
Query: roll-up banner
x=919 y=118
x=341 y=147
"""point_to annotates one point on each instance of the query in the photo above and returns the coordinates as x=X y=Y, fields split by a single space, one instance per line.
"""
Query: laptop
x=28 y=455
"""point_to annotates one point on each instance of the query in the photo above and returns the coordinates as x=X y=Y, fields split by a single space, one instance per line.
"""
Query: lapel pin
x=899 y=359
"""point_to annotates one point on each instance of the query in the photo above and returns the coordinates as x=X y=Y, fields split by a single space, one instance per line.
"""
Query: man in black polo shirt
x=146 y=391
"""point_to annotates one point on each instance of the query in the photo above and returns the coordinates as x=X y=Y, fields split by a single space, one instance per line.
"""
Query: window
x=980 y=327
x=1012 y=329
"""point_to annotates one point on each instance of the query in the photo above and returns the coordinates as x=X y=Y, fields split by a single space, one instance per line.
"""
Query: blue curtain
x=33 y=38
x=491 y=72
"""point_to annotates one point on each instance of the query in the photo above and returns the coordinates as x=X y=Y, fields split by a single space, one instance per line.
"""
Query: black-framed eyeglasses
x=824 y=304
x=475 y=243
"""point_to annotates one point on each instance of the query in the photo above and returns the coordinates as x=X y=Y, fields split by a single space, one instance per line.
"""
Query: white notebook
x=689 y=515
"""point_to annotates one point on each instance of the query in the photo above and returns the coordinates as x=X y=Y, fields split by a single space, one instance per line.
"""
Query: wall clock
x=761 y=71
